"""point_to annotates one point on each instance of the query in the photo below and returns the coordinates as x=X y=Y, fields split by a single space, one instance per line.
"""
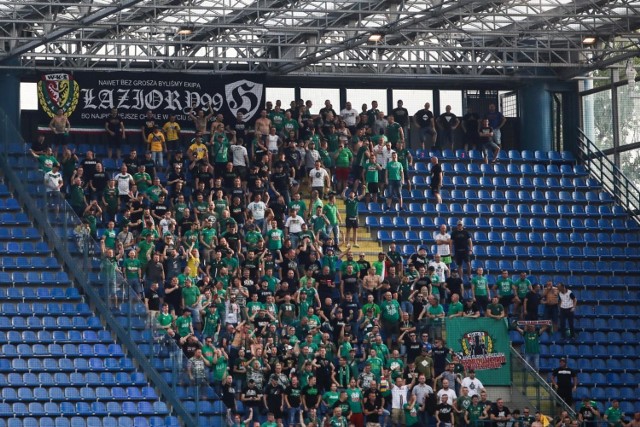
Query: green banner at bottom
x=482 y=344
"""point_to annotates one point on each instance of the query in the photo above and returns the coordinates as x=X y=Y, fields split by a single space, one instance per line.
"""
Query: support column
x=535 y=118
x=10 y=101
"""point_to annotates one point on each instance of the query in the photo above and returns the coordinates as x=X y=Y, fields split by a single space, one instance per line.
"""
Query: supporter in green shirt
x=184 y=325
x=331 y=396
x=455 y=307
x=142 y=179
x=410 y=412
x=480 y=289
x=390 y=309
x=275 y=237
x=46 y=161
x=495 y=310
x=523 y=285
x=164 y=318
x=344 y=157
x=613 y=415
x=475 y=414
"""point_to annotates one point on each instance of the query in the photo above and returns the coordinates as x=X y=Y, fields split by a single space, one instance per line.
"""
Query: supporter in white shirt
x=399 y=396
x=239 y=153
x=349 y=115
x=443 y=242
x=319 y=178
x=440 y=267
x=293 y=227
x=53 y=179
x=257 y=209
x=472 y=383
x=124 y=181
x=446 y=390
x=386 y=154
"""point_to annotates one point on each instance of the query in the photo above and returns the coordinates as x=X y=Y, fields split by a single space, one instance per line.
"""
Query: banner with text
x=482 y=344
x=87 y=98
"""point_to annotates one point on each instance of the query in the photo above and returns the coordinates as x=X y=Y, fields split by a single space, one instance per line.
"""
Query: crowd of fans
x=233 y=237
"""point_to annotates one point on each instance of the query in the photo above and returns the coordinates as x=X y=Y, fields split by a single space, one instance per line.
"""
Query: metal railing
x=534 y=387
x=111 y=296
x=613 y=180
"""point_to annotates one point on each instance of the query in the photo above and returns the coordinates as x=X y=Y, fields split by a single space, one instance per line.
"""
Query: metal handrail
x=81 y=276
x=540 y=381
x=612 y=178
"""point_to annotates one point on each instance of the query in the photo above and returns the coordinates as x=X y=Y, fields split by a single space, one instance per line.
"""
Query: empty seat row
x=510 y=210
x=579 y=350
x=54 y=409
x=34 y=277
x=558 y=252
x=58 y=337
x=511 y=155
x=29 y=263
x=22 y=394
x=607 y=393
x=43 y=309
x=8 y=204
x=205 y=407
x=19 y=233
x=69 y=350
x=472 y=182
x=591 y=364
x=24 y=248
x=36 y=323
x=51 y=365
x=514 y=170
x=14 y=218
x=614 y=324
x=562 y=238
x=78 y=379
x=546 y=266
x=37 y=293
x=102 y=421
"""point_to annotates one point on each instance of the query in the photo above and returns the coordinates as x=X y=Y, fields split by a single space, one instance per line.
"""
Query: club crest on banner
x=58 y=91
x=478 y=351
x=244 y=96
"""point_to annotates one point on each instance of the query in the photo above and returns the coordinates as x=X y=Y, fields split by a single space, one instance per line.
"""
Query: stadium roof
x=394 y=38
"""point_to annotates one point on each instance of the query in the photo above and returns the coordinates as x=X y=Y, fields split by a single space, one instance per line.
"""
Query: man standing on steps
x=330 y=210
x=565 y=381
x=351 y=204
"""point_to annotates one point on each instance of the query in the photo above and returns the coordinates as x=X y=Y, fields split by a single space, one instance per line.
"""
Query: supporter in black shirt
x=228 y=395
x=89 y=165
x=439 y=354
x=98 y=182
x=444 y=412
x=532 y=303
x=419 y=259
x=454 y=284
x=150 y=164
x=132 y=161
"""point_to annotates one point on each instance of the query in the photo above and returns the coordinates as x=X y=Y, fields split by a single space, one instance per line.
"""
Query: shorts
x=115 y=140
x=435 y=187
x=342 y=174
x=352 y=223
x=357 y=171
x=462 y=257
x=395 y=189
x=490 y=146
x=506 y=301
x=241 y=171
x=373 y=188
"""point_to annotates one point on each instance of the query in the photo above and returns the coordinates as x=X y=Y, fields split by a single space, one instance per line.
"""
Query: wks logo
x=58 y=91
x=244 y=96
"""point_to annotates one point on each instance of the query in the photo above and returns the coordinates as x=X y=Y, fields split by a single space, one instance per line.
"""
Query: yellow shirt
x=156 y=141
x=198 y=150
x=193 y=264
x=171 y=129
